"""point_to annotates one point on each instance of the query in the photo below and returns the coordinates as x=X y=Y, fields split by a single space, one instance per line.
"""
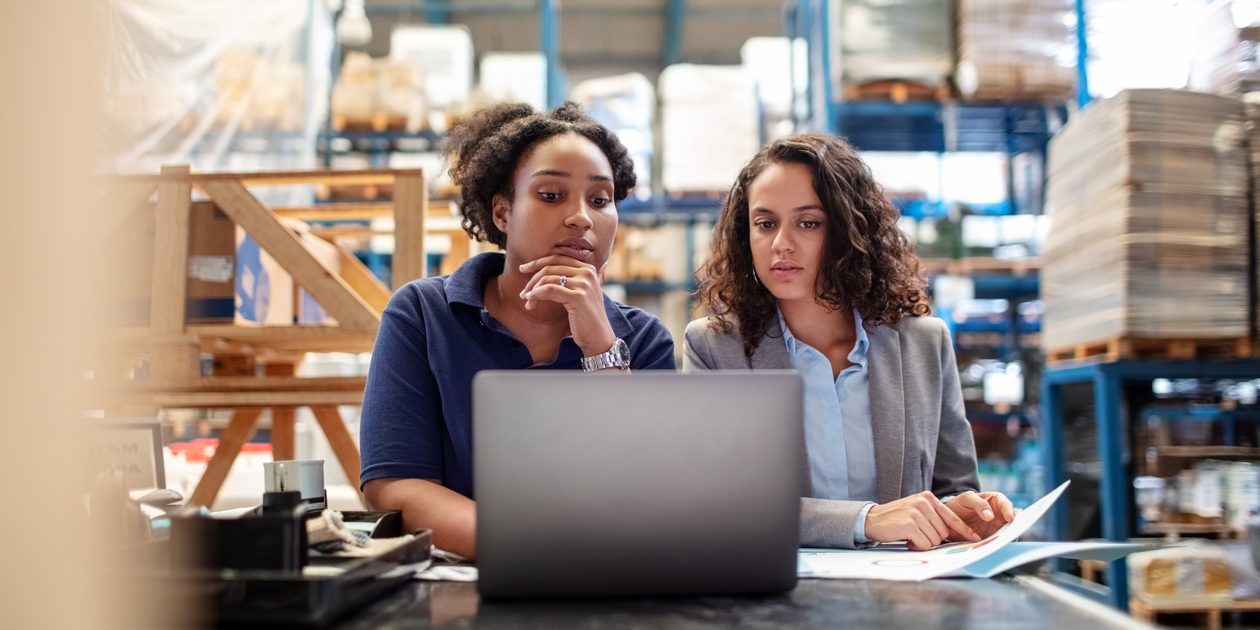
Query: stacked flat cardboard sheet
x=908 y=40
x=1016 y=49
x=1252 y=108
x=1147 y=198
x=1227 y=48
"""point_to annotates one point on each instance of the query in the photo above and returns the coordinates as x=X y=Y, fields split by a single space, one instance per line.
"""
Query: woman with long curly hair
x=544 y=187
x=809 y=272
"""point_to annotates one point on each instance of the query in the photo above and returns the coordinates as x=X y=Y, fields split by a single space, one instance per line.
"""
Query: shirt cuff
x=859 y=528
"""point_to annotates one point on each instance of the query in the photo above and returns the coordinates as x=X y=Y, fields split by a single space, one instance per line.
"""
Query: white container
x=446 y=55
x=515 y=77
x=703 y=147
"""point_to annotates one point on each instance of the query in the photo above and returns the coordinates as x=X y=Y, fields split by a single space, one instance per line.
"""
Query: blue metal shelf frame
x=1111 y=413
x=1010 y=128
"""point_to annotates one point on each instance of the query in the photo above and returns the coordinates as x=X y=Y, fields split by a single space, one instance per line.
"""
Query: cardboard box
x=264 y=290
x=211 y=266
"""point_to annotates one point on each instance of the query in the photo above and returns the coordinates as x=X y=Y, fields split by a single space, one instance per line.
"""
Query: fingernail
x=522 y=294
x=987 y=514
x=524 y=266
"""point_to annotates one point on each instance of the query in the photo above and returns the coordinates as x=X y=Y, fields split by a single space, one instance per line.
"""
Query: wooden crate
x=349 y=293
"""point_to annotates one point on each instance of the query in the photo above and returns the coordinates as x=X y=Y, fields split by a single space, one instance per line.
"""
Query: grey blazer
x=922 y=438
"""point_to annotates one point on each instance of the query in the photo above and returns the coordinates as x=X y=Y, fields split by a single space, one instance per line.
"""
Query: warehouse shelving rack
x=1109 y=380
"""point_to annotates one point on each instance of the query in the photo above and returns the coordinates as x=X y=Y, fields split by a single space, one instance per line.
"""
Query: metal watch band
x=618 y=356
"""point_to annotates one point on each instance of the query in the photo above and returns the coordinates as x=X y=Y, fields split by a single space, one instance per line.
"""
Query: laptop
x=642 y=484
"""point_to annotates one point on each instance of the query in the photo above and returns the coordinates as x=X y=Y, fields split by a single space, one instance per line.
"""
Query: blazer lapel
x=888 y=411
x=771 y=354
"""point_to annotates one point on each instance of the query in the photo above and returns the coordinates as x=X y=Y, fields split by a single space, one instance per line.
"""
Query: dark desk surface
x=1005 y=603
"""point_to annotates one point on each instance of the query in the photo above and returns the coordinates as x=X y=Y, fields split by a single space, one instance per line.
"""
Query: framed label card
x=132 y=446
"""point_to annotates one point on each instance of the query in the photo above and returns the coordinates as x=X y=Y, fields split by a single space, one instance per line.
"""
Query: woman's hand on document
x=984 y=512
x=922 y=520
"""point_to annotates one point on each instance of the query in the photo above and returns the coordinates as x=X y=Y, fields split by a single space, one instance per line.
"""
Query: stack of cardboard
x=1227 y=53
x=905 y=40
x=1016 y=49
x=1252 y=108
x=1147 y=197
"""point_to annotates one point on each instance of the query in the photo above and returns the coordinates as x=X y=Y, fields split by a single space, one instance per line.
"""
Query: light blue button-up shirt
x=838 y=435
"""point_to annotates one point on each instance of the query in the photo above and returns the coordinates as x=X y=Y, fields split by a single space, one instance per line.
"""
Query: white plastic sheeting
x=223 y=85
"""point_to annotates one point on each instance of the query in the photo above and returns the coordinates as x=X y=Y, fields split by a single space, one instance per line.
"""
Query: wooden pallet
x=973 y=265
x=896 y=91
x=1210 y=613
x=1147 y=348
x=380 y=121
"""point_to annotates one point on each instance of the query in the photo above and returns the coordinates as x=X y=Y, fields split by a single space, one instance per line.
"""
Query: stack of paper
x=1016 y=49
x=1147 y=198
x=993 y=555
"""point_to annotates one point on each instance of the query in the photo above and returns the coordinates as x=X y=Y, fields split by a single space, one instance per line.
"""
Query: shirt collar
x=467 y=286
x=857 y=356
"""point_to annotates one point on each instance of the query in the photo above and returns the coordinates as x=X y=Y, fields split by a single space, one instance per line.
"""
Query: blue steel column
x=549 y=19
x=1052 y=452
x=1114 y=484
x=829 y=102
x=437 y=11
x=675 y=20
x=1082 y=56
x=805 y=25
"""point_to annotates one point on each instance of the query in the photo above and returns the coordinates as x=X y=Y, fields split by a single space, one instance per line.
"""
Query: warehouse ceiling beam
x=675 y=19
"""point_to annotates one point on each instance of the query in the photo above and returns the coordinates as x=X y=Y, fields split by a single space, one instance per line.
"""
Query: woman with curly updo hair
x=809 y=272
x=543 y=187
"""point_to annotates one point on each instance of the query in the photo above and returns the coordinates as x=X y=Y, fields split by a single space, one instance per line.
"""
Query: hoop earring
x=756 y=280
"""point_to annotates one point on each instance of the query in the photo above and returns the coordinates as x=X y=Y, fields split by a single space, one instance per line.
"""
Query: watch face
x=623 y=353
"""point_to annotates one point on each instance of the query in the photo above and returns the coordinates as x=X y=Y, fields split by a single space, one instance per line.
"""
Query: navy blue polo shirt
x=435 y=335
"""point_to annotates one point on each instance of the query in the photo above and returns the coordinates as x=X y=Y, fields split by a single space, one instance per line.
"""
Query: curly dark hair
x=484 y=148
x=867 y=262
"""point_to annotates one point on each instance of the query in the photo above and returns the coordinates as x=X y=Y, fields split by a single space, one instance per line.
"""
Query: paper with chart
x=899 y=563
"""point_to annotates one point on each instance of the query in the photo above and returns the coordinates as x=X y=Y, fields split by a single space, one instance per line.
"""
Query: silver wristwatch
x=617 y=357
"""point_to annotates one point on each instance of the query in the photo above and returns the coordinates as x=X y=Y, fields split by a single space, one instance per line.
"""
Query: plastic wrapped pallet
x=233 y=84
x=1147 y=197
x=703 y=147
x=1180 y=575
x=379 y=94
x=444 y=54
x=624 y=103
x=909 y=40
x=1227 y=53
x=1016 y=49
